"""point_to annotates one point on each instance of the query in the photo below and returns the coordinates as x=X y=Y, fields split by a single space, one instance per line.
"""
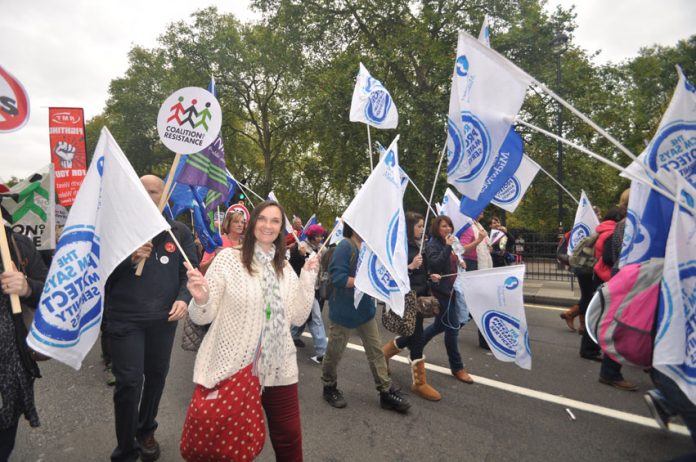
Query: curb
x=546 y=300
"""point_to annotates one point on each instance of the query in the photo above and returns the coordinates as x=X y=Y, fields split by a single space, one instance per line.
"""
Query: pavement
x=563 y=294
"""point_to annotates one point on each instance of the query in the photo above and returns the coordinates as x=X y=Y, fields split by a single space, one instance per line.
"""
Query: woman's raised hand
x=196 y=285
x=312 y=264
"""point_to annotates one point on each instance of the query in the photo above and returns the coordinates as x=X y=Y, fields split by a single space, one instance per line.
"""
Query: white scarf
x=274 y=331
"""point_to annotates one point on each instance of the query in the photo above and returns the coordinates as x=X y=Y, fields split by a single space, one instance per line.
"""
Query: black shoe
x=393 y=400
x=592 y=357
x=298 y=343
x=149 y=448
x=317 y=359
x=653 y=401
x=334 y=397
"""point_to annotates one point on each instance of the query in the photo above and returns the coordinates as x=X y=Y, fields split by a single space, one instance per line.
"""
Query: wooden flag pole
x=7 y=265
x=163 y=201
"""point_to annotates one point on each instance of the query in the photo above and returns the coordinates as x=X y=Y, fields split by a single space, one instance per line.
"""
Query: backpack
x=325 y=284
x=621 y=315
x=562 y=252
x=583 y=258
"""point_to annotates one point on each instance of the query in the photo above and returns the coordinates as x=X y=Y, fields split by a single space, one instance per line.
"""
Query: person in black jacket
x=418 y=279
x=17 y=366
x=141 y=314
x=443 y=262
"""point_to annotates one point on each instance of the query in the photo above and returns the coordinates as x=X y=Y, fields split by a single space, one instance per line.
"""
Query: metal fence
x=538 y=252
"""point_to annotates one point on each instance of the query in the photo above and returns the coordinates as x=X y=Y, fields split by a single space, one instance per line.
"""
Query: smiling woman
x=250 y=297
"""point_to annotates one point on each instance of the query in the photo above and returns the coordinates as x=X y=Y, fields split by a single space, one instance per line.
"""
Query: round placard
x=189 y=120
x=14 y=103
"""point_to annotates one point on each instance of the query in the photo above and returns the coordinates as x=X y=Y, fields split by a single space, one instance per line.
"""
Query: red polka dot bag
x=225 y=423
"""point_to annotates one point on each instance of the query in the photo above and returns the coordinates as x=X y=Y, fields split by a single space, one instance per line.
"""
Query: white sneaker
x=317 y=359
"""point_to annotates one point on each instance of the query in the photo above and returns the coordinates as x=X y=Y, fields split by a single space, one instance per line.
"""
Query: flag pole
x=323 y=244
x=369 y=147
x=163 y=200
x=432 y=192
x=421 y=194
x=558 y=183
x=666 y=193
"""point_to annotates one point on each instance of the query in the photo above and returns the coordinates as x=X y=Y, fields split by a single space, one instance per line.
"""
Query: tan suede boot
x=420 y=385
x=390 y=349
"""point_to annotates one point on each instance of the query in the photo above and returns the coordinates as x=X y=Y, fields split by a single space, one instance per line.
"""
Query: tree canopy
x=285 y=86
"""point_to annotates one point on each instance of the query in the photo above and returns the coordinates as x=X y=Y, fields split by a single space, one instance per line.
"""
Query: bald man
x=141 y=315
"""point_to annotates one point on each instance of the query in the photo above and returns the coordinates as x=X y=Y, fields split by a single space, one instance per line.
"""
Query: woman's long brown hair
x=249 y=242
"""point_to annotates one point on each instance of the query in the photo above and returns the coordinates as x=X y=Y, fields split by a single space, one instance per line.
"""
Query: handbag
x=428 y=306
x=225 y=422
x=193 y=334
x=406 y=325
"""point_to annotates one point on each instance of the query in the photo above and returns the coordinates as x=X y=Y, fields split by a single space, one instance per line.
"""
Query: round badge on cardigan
x=169 y=247
x=164 y=259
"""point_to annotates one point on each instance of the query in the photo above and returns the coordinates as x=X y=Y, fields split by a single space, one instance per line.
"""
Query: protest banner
x=112 y=216
x=33 y=211
x=66 y=131
x=14 y=103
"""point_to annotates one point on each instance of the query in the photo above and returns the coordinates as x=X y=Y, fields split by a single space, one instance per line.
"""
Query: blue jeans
x=316 y=327
x=675 y=401
x=414 y=342
x=448 y=322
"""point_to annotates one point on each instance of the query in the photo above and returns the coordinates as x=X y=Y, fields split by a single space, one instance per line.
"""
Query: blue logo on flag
x=477 y=146
x=512 y=283
x=687 y=273
x=462 y=66
x=510 y=191
x=380 y=278
x=580 y=231
x=502 y=332
x=379 y=102
x=454 y=147
x=392 y=236
x=71 y=296
x=673 y=150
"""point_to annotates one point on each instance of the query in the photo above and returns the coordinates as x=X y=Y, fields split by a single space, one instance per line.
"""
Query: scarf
x=274 y=331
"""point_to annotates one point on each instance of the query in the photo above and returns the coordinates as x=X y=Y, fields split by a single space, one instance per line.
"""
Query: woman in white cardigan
x=252 y=293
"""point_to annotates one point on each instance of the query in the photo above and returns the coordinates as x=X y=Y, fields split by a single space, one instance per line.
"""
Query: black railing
x=538 y=252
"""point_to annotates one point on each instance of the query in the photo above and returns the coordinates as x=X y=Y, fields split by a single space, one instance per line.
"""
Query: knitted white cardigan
x=236 y=310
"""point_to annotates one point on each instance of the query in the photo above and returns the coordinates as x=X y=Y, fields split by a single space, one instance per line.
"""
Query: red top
x=605 y=230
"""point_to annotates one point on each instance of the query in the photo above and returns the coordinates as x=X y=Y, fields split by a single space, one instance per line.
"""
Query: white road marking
x=543 y=396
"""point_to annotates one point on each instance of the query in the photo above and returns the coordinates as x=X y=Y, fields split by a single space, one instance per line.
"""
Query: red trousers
x=282 y=407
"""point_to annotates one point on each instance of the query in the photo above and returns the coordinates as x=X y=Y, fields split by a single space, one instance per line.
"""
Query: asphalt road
x=509 y=414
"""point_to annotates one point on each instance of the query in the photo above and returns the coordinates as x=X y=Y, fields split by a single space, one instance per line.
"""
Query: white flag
x=512 y=192
x=34 y=212
x=450 y=207
x=671 y=149
x=111 y=217
x=485 y=34
x=287 y=225
x=487 y=93
x=585 y=223
x=675 y=340
x=377 y=215
x=337 y=233
x=372 y=104
x=373 y=278
x=494 y=299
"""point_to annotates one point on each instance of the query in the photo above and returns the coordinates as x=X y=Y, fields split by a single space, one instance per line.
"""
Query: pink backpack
x=621 y=315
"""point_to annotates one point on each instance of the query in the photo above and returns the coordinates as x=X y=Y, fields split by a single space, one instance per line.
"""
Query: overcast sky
x=65 y=52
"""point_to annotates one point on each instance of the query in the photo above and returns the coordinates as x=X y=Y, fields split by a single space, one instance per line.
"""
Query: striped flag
x=207 y=168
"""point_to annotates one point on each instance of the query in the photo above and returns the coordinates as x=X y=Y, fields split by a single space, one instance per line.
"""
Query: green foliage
x=285 y=87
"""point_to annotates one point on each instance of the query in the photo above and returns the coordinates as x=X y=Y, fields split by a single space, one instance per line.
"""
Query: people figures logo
x=189 y=120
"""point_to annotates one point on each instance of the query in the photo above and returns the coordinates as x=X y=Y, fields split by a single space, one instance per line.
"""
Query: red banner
x=66 y=128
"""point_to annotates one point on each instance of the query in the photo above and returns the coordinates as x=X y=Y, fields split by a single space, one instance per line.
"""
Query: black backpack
x=325 y=284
